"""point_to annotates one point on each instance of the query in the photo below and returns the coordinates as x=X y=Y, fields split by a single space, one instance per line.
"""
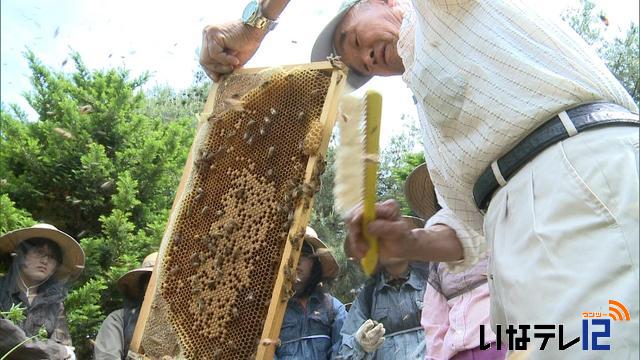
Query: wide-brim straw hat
x=328 y=262
x=420 y=192
x=72 y=254
x=129 y=283
x=323 y=47
x=414 y=222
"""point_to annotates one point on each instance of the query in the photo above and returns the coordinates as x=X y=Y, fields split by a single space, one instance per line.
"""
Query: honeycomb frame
x=220 y=288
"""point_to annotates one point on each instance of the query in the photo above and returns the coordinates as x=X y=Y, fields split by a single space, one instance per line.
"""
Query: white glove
x=369 y=335
x=71 y=355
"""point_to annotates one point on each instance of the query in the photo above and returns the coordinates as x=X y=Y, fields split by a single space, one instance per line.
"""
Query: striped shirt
x=485 y=74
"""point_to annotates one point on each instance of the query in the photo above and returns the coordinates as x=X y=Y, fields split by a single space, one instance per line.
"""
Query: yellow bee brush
x=357 y=163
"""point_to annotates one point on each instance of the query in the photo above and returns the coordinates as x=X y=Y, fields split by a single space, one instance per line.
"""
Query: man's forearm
x=271 y=9
x=435 y=243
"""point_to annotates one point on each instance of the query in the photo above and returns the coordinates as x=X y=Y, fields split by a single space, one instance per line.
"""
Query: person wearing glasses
x=43 y=262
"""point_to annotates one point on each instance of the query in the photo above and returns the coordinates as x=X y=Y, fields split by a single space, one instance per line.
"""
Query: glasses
x=41 y=253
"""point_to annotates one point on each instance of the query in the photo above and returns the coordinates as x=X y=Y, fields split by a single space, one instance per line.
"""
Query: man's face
x=367 y=38
x=303 y=272
x=39 y=264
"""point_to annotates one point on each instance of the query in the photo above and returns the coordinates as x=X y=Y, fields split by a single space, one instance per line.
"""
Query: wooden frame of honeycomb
x=232 y=243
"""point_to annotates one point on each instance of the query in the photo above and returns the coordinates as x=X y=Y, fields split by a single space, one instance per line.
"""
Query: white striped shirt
x=485 y=74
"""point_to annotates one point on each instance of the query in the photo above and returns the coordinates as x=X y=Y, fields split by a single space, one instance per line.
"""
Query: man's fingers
x=217 y=52
x=387 y=229
x=379 y=343
x=389 y=209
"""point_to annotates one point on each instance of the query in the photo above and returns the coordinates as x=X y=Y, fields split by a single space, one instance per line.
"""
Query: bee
x=204 y=210
x=270 y=152
x=235 y=104
x=249 y=140
x=286 y=225
x=199 y=193
x=301 y=116
x=219 y=213
x=269 y=173
x=230 y=149
x=236 y=253
x=200 y=303
x=241 y=194
x=308 y=189
x=262 y=131
x=267 y=120
x=273 y=111
x=295 y=242
x=250 y=123
x=177 y=237
x=231 y=134
x=297 y=192
x=230 y=226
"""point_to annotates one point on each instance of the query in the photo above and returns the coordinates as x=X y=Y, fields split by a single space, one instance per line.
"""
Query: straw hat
x=414 y=222
x=72 y=254
x=328 y=262
x=129 y=283
x=420 y=193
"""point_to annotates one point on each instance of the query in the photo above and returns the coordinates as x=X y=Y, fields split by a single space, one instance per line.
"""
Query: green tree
x=102 y=163
x=622 y=54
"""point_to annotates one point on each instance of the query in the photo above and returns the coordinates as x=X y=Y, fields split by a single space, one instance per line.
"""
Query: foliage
x=100 y=165
x=621 y=55
x=15 y=314
x=12 y=217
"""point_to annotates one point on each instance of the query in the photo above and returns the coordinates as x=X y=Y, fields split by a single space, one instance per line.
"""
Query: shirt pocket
x=380 y=313
x=319 y=324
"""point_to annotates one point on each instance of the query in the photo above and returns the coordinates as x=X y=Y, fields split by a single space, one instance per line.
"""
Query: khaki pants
x=563 y=236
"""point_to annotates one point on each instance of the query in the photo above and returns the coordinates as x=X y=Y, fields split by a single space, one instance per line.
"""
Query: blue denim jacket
x=313 y=334
x=399 y=309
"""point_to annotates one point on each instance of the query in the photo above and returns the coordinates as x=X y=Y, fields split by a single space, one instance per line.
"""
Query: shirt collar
x=415 y=281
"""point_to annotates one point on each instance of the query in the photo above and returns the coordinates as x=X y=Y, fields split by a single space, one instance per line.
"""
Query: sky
x=163 y=38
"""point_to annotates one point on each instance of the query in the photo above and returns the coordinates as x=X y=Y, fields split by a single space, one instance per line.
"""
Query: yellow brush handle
x=373 y=109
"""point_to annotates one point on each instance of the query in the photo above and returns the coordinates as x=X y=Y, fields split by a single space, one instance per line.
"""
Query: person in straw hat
x=454 y=303
x=313 y=319
x=114 y=337
x=43 y=262
x=384 y=320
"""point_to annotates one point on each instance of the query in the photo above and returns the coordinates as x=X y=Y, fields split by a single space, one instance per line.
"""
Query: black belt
x=582 y=117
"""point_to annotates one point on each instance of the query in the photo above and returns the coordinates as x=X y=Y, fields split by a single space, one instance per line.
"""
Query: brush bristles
x=348 y=189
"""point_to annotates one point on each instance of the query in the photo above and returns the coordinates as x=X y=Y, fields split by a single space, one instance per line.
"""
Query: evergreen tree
x=99 y=164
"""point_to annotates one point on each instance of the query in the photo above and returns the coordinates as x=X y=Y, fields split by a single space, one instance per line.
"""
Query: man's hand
x=397 y=239
x=394 y=234
x=228 y=46
x=369 y=335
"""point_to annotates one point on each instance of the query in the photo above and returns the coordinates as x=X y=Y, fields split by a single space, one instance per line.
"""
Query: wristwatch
x=252 y=16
